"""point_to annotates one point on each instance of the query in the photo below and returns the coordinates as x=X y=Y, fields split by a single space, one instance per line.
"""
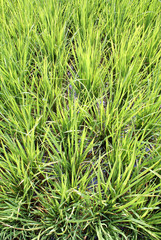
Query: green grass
x=80 y=119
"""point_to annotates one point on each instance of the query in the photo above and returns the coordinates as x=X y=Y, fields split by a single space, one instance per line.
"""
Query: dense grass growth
x=80 y=119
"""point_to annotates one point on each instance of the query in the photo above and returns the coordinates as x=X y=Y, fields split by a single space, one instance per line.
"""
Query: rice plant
x=80 y=120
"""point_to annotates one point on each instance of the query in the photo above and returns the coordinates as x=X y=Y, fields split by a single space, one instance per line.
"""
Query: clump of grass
x=80 y=120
